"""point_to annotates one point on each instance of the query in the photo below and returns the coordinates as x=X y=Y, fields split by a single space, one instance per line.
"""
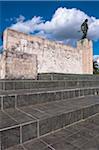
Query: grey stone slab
x=29 y=131
x=35 y=145
x=19 y=116
x=77 y=140
x=88 y=134
x=72 y=129
x=45 y=126
x=34 y=84
x=9 y=85
x=94 y=98
x=51 y=84
x=72 y=117
x=28 y=85
x=71 y=94
x=1 y=85
x=86 y=91
x=65 y=94
x=58 y=96
x=47 y=97
x=6 y=121
x=91 y=145
x=8 y=102
x=59 y=76
x=66 y=106
x=23 y=84
x=92 y=91
x=75 y=127
x=18 y=147
x=81 y=92
x=96 y=139
x=59 y=121
x=27 y=99
x=64 y=145
x=51 y=117
x=49 y=108
x=90 y=125
x=76 y=137
x=57 y=136
x=0 y=103
x=10 y=137
x=19 y=85
x=51 y=139
x=48 y=148
x=35 y=113
x=94 y=129
x=94 y=120
x=89 y=111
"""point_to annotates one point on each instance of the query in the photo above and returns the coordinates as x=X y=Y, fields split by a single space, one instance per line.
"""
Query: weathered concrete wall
x=2 y=66
x=17 y=65
x=87 y=55
x=51 y=56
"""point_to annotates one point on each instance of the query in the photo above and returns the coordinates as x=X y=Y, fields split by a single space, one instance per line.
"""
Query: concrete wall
x=2 y=66
x=16 y=65
x=52 y=56
x=87 y=55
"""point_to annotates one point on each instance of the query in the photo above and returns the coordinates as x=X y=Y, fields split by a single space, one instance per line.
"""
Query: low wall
x=52 y=56
x=16 y=65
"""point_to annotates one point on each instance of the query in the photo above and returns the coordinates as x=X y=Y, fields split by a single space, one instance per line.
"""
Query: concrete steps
x=61 y=76
x=12 y=99
x=32 y=122
x=32 y=109
x=83 y=135
x=46 y=84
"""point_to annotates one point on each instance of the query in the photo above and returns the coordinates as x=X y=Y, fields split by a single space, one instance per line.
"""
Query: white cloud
x=21 y=18
x=28 y=26
x=96 y=56
x=98 y=60
x=65 y=24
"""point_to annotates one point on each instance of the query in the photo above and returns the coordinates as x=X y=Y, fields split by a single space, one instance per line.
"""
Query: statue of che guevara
x=84 y=28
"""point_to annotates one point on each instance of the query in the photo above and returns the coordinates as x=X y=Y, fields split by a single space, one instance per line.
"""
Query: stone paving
x=21 y=124
x=36 y=115
x=83 y=135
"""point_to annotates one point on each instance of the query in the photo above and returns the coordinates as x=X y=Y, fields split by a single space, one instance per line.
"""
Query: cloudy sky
x=55 y=20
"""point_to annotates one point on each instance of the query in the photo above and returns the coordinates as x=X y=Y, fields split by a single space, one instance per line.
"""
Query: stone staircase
x=31 y=109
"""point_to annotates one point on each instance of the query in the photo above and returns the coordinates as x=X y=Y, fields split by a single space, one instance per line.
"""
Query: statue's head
x=86 y=20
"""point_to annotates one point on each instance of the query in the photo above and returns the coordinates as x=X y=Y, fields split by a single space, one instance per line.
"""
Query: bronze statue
x=84 y=28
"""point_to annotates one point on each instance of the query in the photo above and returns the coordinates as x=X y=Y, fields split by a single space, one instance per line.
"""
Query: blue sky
x=12 y=11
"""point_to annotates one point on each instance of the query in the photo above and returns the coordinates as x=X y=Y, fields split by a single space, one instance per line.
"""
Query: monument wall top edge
x=38 y=38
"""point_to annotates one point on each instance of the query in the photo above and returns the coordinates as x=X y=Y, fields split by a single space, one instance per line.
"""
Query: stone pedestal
x=85 y=46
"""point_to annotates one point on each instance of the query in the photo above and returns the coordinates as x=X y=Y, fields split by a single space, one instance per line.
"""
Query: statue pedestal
x=85 y=46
